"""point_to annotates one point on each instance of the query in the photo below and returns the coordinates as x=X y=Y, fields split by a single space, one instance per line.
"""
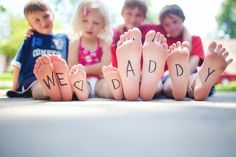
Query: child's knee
x=102 y=89
x=167 y=89
x=38 y=93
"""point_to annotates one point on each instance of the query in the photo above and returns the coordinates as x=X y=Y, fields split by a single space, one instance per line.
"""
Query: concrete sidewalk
x=109 y=128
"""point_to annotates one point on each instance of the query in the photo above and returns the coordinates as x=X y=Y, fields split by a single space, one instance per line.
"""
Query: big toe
x=45 y=59
x=136 y=34
x=150 y=36
x=212 y=46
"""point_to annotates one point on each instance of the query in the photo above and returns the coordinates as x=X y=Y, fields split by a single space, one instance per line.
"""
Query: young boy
x=42 y=42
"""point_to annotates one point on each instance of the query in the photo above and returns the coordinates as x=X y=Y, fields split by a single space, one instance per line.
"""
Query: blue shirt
x=34 y=47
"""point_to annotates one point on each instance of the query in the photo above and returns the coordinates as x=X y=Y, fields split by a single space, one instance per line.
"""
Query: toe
x=163 y=41
x=161 y=38
x=229 y=61
x=218 y=48
x=150 y=36
x=225 y=54
x=212 y=46
x=157 y=36
x=46 y=59
x=122 y=38
x=126 y=36
x=119 y=43
x=136 y=34
x=222 y=51
x=179 y=45
x=186 y=44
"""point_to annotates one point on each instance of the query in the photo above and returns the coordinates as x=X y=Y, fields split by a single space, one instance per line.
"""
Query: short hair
x=35 y=5
x=169 y=10
x=140 y=4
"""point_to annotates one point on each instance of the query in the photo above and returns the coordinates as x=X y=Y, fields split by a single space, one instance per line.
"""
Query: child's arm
x=73 y=57
x=96 y=69
x=15 y=83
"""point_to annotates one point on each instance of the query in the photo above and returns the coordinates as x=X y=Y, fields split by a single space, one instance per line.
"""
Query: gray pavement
x=106 y=128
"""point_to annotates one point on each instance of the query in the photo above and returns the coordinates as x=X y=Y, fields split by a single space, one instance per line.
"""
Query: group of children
x=49 y=66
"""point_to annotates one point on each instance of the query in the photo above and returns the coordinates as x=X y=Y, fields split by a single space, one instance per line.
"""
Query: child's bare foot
x=113 y=80
x=61 y=70
x=129 y=50
x=178 y=65
x=155 y=51
x=43 y=70
x=78 y=81
x=213 y=66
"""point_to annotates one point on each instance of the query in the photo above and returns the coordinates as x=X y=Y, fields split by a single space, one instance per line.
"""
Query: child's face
x=92 y=24
x=133 y=17
x=41 y=21
x=173 y=25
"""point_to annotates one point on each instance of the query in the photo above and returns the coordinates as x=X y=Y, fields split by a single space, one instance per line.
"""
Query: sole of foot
x=129 y=51
x=113 y=80
x=61 y=70
x=155 y=51
x=44 y=72
x=178 y=65
x=213 y=66
x=78 y=81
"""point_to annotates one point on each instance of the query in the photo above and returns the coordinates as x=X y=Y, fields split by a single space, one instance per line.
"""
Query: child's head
x=172 y=19
x=39 y=16
x=134 y=13
x=91 y=19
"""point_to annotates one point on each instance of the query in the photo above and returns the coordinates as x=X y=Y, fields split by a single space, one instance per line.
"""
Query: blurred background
x=210 y=19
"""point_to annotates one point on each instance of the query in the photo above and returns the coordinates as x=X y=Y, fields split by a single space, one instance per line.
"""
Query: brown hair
x=169 y=10
x=35 y=5
x=141 y=5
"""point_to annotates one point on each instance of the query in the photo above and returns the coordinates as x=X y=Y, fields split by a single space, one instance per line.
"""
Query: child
x=42 y=42
x=91 y=46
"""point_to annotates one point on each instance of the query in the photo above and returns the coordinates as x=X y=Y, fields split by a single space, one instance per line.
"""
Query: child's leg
x=213 y=66
x=43 y=70
x=178 y=65
x=62 y=71
x=155 y=51
x=159 y=88
x=167 y=88
x=38 y=93
x=129 y=50
x=113 y=80
x=78 y=81
x=102 y=89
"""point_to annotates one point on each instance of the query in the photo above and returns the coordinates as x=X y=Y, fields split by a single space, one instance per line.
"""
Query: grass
x=7 y=76
x=231 y=87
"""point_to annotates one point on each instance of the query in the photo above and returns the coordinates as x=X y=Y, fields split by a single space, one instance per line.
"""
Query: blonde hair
x=106 y=33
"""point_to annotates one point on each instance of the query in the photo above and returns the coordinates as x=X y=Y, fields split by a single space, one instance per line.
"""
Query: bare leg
x=38 y=92
x=102 y=89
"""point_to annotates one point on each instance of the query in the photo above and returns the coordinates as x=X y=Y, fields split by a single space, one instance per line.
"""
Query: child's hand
x=29 y=33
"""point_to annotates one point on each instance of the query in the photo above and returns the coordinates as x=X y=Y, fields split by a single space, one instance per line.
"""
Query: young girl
x=91 y=44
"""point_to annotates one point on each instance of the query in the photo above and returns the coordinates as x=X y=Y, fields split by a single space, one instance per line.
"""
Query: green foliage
x=226 y=19
x=18 y=27
x=227 y=88
x=2 y=9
